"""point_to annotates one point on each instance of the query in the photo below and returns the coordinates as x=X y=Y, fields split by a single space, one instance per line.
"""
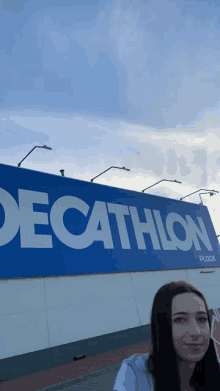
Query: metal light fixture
x=120 y=168
x=211 y=194
x=168 y=180
x=215 y=191
x=44 y=146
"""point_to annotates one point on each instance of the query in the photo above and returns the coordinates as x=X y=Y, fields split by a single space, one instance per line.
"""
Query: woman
x=174 y=364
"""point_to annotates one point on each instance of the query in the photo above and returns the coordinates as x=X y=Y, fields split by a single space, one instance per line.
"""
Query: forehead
x=187 y=302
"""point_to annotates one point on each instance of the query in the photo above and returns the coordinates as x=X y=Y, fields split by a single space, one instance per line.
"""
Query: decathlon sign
x=52 y=225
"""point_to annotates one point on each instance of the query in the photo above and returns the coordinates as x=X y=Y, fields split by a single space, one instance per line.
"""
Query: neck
x=186 y=370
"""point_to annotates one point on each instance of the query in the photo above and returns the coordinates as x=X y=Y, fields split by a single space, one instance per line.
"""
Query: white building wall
x=41 y=313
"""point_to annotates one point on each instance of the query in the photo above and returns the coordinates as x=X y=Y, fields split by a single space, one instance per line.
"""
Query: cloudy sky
x=114 y=83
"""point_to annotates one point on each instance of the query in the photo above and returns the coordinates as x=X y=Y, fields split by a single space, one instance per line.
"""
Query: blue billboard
x=52 y=226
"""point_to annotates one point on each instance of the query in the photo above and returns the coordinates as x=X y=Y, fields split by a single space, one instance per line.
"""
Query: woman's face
x=191 y=327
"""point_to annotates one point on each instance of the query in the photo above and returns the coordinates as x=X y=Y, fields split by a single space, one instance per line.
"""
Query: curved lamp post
x=197 y=192
x=44 y=146
x=168 y=180
x=120 y=168
x=211 y=194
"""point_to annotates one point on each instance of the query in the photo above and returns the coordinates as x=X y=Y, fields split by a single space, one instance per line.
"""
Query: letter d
x=11 y=223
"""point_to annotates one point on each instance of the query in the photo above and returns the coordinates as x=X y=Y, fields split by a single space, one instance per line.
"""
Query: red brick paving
x=69 y=371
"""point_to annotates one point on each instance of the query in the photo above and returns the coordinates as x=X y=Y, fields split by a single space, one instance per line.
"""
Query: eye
x=177 y=319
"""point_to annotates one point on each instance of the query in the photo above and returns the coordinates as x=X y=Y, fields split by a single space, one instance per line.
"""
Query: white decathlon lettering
x=140 y=228
x=195 y=230
x=167 y=244
x=99 y=215
x=28 y=218
x=11 y=223
x=25 y=216
x=183 y=245
x=58 y=209
x=119 y=211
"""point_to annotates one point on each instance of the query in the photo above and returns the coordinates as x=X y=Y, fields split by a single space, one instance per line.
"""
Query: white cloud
x=60 y=41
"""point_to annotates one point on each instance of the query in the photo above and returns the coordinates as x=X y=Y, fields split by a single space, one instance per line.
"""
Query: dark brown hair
x=162 y=363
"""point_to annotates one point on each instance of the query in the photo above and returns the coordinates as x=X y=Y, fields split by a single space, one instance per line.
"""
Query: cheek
x=180 y=330
x=207 y=334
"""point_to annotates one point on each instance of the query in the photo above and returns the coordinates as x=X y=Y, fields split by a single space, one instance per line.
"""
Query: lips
x=193 y=344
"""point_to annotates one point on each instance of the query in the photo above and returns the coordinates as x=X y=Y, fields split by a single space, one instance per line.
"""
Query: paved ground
x=94 y=373
x=102 y=380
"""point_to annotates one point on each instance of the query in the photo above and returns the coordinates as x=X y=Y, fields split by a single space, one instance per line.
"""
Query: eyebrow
x=187 y=313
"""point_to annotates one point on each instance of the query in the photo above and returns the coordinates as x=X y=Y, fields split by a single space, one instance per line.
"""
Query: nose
x=193 y=328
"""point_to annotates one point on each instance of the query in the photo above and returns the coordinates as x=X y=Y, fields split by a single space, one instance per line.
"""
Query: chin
x=195 y=357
